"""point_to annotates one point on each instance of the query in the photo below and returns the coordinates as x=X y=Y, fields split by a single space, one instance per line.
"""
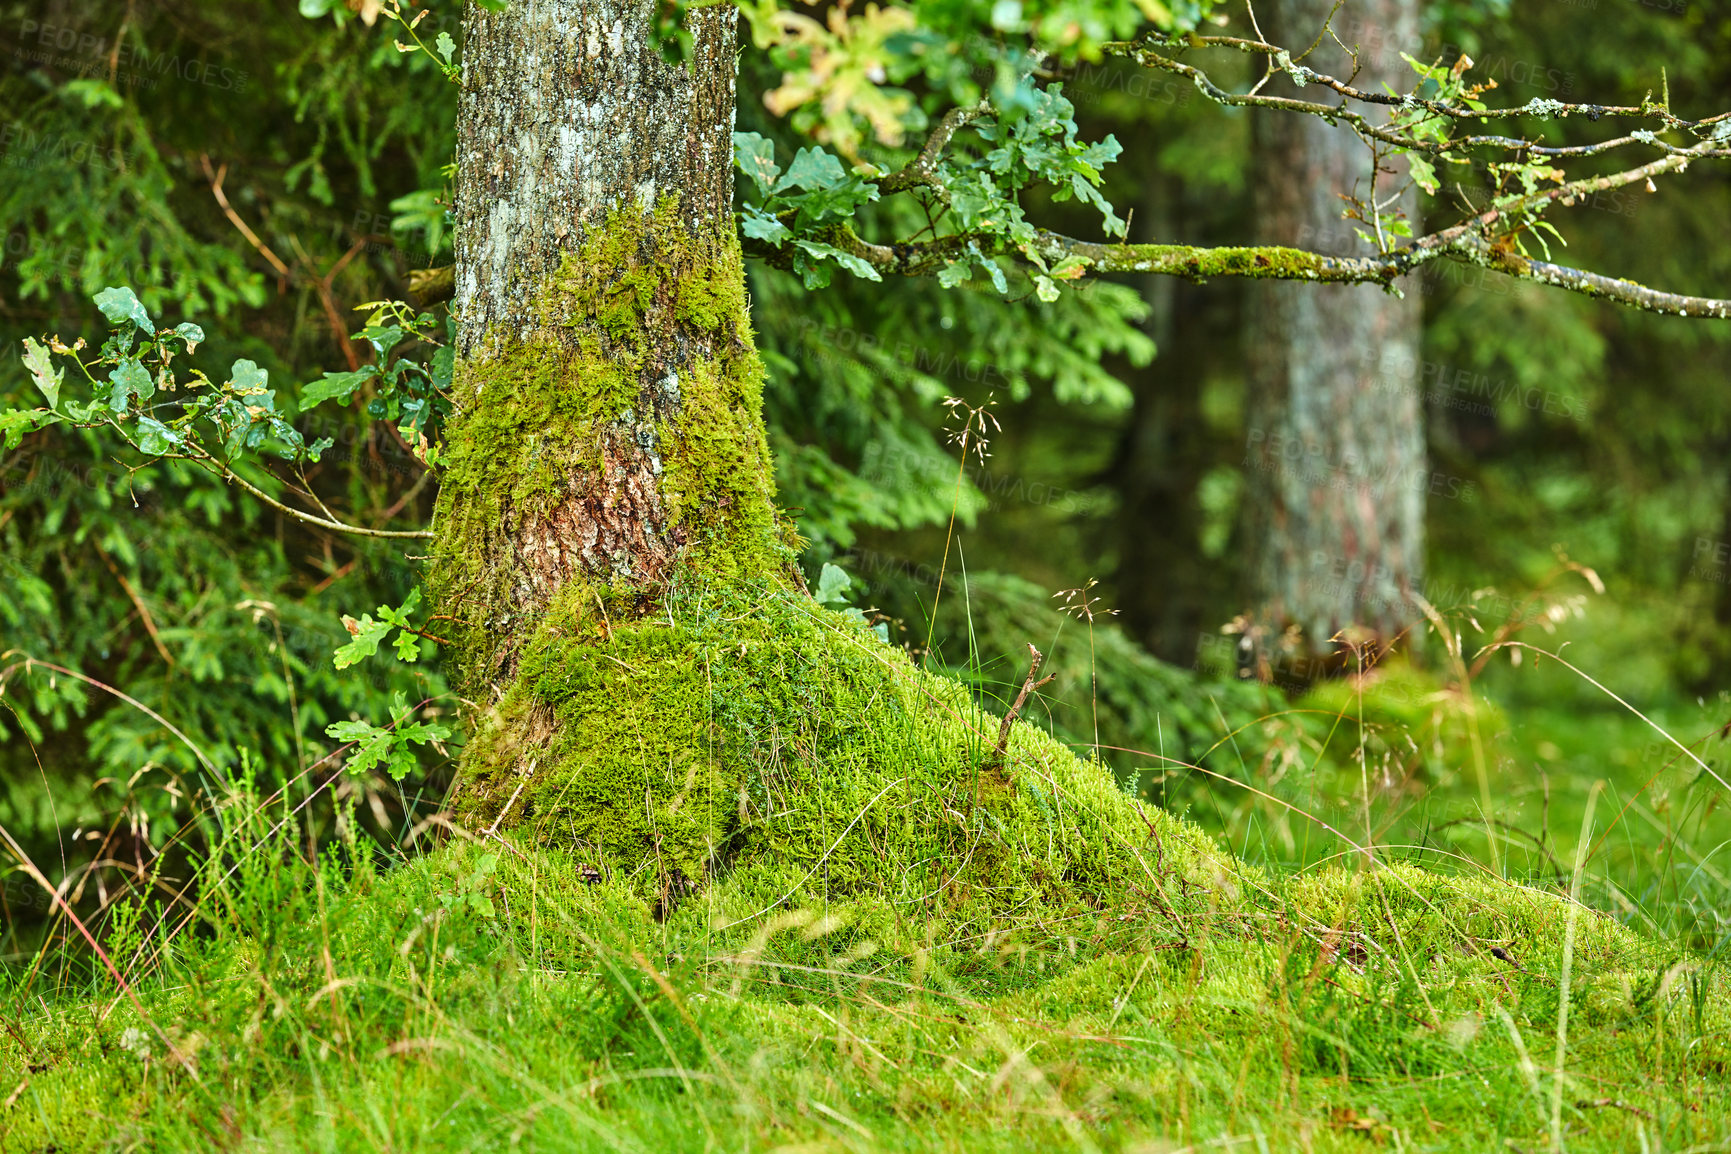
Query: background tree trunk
x=1165 y=582
x=608 y=433
x=1335 y=460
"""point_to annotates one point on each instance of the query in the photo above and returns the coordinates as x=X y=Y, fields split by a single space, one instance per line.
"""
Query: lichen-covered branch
x=922 y=170
x=1592 y=284
x=1467 y=243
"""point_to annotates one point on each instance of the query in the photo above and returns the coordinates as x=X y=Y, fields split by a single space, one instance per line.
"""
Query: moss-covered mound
x=776 y=755
x=752 y=734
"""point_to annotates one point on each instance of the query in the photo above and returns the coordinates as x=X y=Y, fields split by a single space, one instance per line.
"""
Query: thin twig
x=299 y=515
x=1028 y=686
x=216 y=177
x=138 y=604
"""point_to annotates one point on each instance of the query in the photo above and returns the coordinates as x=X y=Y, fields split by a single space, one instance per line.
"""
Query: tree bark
x=1335 y=455
x=607 y=434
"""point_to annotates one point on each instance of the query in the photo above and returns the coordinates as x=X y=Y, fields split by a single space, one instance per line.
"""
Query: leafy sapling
x=229 y=427
x=367 y=634
x=391 y=746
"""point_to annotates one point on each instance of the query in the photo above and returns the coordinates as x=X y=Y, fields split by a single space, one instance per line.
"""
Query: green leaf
x=996 y=272
x=335 y=386
x=422 y=211
x=759 y=225
x=1423 y=172
x=14 y=423
x=156 y=438
x=391 y=746
x=372 y=744
x=837 y=203
x=130 y=379
x=190 y=333
x=814 y=274
x=383 y=338
x=445 y=46
x=400 y=615
x=754 y=155
x=119 y=305
x=1045 y=289
x=813 y=168
x=444 y=366
x=83 y=414
x=953 y=273
x=847 y=260
x=976 y=207
x=43 y=372
x=408 y=646
x=832 y=585
x=246 y=376
x=1070 y=267
x=93 y=93
x=366 y=634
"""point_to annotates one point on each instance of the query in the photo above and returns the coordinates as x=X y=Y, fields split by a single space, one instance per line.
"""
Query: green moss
x=645 y=334
x=1261 y=262
x=746 y=733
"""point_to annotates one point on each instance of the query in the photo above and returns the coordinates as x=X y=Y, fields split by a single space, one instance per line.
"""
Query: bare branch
x=336 y=526
x=1142 y=52
x=996 y=759
x=1592 y=284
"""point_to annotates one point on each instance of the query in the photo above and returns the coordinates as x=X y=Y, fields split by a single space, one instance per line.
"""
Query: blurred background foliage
x=140 y=137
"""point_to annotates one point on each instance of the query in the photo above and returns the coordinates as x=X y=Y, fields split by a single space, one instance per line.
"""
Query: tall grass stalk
x=1574 y=912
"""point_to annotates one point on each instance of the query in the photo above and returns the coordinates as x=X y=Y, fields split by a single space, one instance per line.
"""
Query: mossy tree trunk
x=1335 y=458
x=659 y=698
x=608 y=433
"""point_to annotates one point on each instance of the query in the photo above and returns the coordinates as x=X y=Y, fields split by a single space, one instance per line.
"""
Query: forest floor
x=490 y=994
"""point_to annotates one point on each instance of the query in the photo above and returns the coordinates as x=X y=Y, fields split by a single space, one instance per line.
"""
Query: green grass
x=477 y=998
x=1301 y=993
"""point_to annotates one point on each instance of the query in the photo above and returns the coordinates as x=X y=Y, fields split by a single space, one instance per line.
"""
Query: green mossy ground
x=870 y=960
x=735 y=874
x=492 y=996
